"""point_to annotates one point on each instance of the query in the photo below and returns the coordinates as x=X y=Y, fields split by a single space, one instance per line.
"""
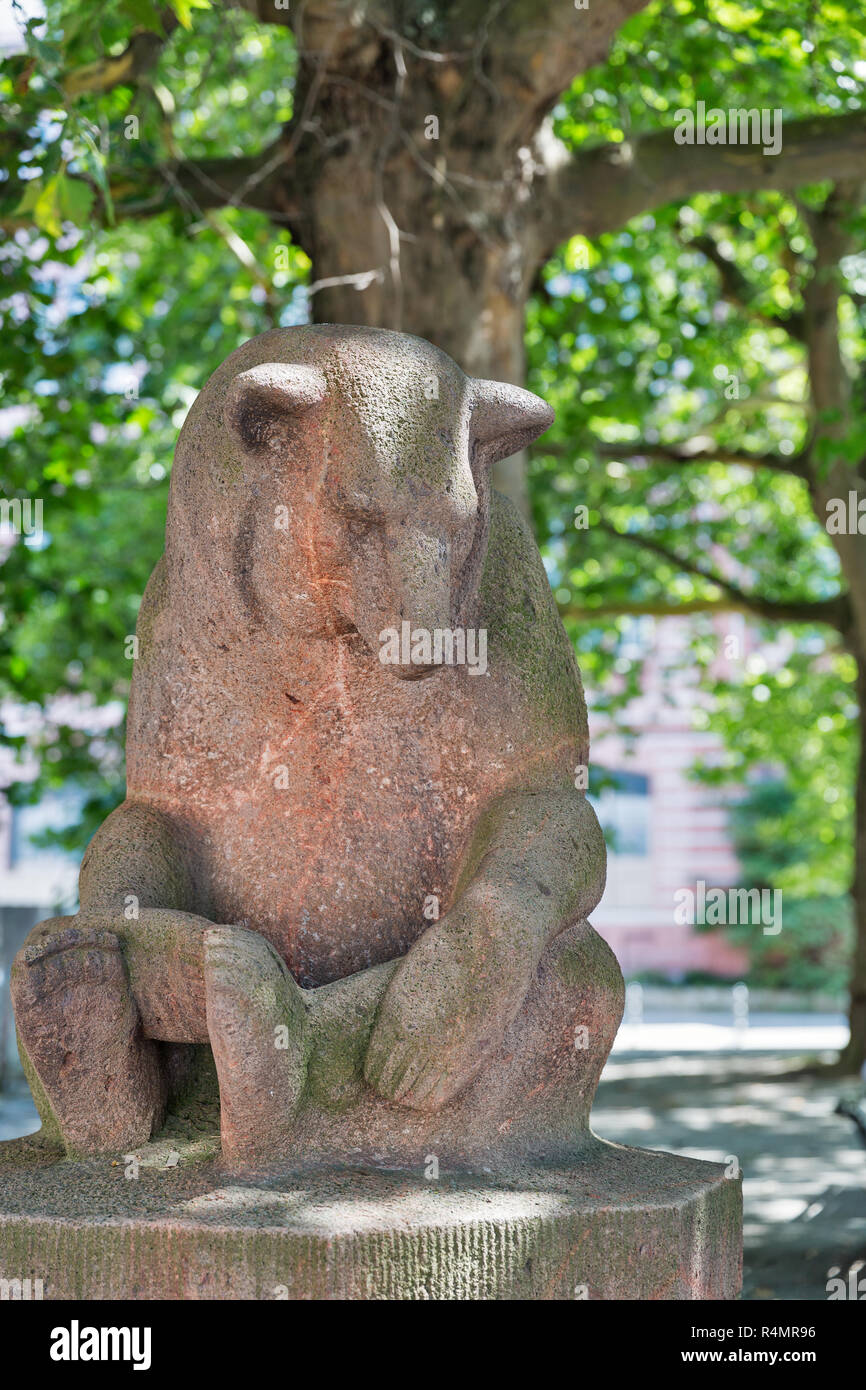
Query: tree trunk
x=418 y=143
x=391 y=248
x=852 y=1057
x=420 y=179
x=830 y=390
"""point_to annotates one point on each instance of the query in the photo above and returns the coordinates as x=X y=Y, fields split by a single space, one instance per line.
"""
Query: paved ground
x=804 y=1167
x=700 y=1087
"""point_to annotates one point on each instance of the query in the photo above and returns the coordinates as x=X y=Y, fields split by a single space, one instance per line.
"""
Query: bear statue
x=356 y=858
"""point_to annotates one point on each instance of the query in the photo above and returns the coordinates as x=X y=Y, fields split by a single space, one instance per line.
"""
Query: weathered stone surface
x=404 y=840
x=617 y=1224
x=340 y=918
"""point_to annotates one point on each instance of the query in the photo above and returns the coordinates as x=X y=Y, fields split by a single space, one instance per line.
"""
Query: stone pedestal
x=618 y=1223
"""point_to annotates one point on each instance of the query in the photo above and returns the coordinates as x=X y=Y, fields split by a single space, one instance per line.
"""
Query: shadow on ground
x=804 y=1167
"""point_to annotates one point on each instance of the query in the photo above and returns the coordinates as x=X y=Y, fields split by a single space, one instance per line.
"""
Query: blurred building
x=664 y=830
x=34 y=883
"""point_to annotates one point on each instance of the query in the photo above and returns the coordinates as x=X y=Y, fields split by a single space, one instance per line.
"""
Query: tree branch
x=597 y=190
x=834 y=611
x=140 y=55
x=796 y=464
x=256 y=181
x=651 y=609
x=531 y=54
x=248 y=181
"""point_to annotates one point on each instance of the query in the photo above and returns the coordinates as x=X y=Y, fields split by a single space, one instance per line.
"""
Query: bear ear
x=259 y=400
x=506 y=418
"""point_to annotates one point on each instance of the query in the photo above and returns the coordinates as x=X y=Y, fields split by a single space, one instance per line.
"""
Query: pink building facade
x=665 y=831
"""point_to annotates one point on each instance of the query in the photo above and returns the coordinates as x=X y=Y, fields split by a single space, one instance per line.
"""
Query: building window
x=622 y=803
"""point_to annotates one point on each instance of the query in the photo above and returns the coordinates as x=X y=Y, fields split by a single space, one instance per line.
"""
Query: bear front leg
x=257 y=1021
x=79 y=1023
x=538 y=866
x=80 y=1029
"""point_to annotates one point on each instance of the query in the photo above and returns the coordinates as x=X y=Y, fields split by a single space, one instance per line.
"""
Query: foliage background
x=111 y=324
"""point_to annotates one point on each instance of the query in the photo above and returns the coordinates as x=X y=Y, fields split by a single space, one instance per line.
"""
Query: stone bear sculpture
x=352 y=858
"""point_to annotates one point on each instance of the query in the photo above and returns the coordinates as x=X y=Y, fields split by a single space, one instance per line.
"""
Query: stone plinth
x=616 y=1224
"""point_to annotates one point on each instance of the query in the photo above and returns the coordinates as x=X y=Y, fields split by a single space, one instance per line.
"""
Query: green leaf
x=184 y=8
x=57 y=200
x=31 y=197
